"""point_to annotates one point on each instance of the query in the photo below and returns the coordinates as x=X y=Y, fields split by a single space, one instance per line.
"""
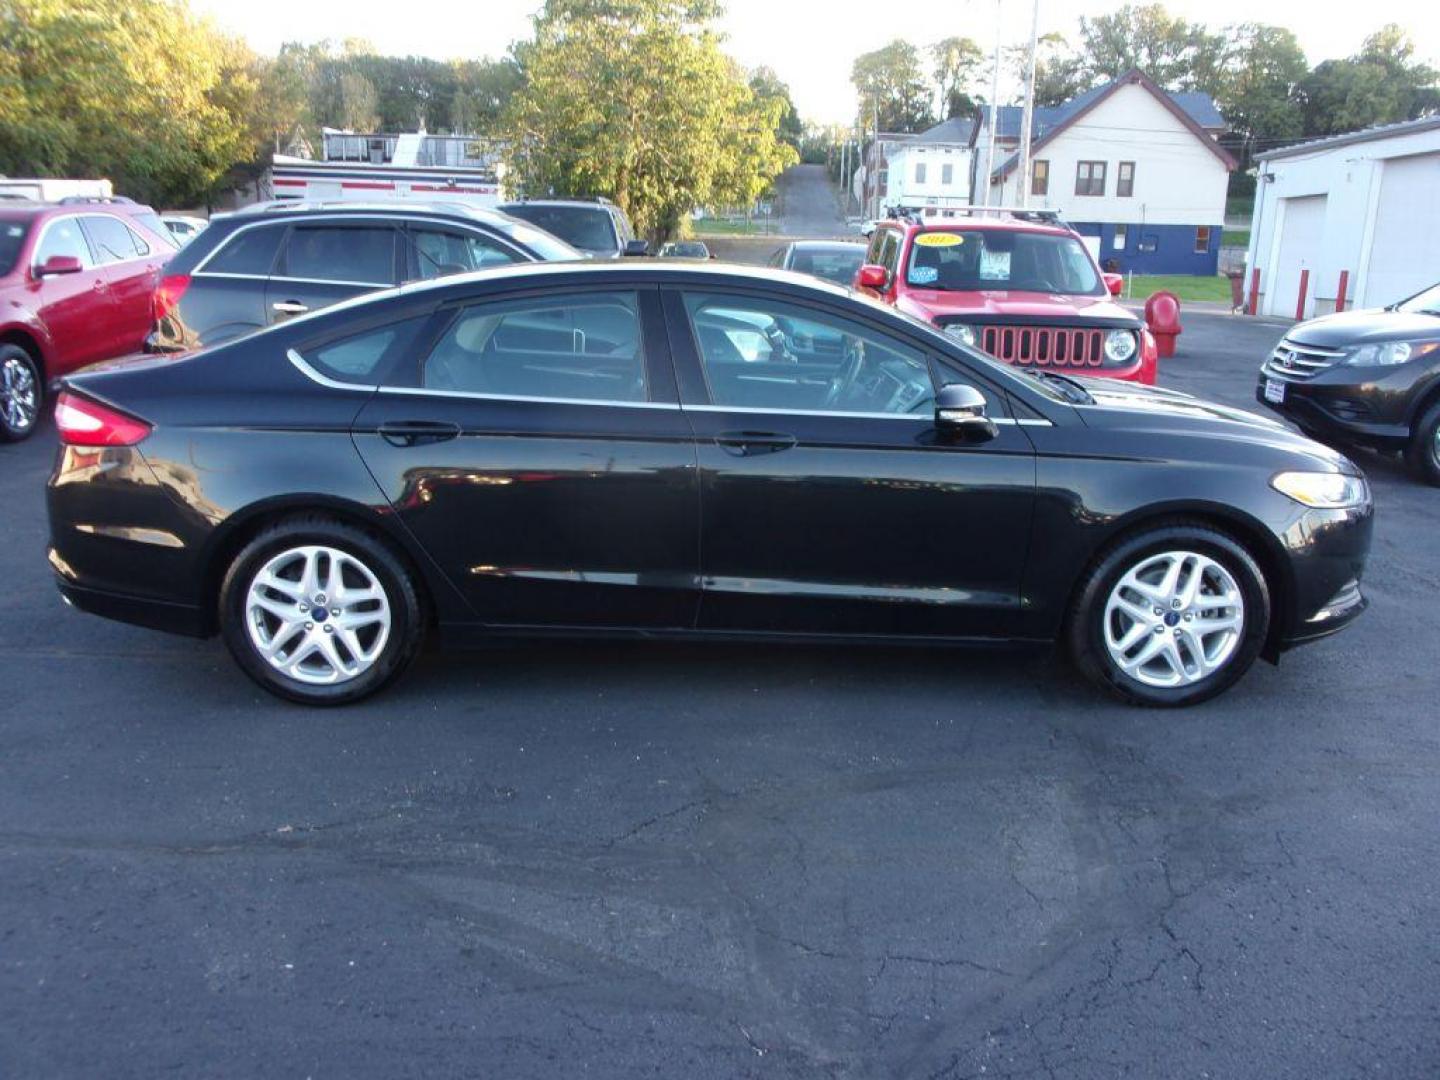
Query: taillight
x=83 y=422
x=167 y=294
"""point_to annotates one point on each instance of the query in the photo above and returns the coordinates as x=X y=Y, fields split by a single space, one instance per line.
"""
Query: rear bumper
x=138 y=610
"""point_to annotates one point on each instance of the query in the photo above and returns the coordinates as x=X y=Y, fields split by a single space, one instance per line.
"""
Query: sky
x=810 y=43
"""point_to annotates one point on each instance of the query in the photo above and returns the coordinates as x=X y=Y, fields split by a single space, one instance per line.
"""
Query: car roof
x=596 y=203
x=1000 y=224
x=34 y=211
x=828 y=245
x=282 y=208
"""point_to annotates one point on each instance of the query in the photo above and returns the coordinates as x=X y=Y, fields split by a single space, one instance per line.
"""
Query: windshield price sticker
x=924 y=275
x=939 y=239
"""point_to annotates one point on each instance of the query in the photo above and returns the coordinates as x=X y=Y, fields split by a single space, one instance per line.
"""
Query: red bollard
x=1162 y=318
x=1304 y=288
x=1254 y=292
x=1340 y=297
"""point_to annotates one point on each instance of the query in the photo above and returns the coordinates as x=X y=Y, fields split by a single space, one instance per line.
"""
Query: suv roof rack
x=77 y=200
x=599 y=199
x=1043 y=217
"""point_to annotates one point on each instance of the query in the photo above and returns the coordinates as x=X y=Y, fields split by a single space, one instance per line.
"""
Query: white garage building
x=1365 y=205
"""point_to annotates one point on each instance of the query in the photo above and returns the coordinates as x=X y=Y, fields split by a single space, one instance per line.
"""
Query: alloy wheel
x=19 y=402
x=1174 y=619
x=317 y=614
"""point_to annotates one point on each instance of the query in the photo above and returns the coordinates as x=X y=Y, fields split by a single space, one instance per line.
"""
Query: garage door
x=1301 y=230
x=1405 y=252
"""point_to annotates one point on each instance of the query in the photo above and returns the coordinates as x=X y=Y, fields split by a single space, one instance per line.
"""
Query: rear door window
x=111 y=240
x=360 y=255
x=250 y=252
x=585 y=347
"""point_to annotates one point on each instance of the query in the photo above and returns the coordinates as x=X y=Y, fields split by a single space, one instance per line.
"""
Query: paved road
x=807 y=204
x=622 y=861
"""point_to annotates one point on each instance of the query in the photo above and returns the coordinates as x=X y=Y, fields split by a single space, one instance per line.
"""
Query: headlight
x=1120 y=345
x=1325 y=491
x=961 y=333
x=1388 y=354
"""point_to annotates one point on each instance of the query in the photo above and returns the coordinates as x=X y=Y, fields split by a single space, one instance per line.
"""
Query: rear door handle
x=417 y=432
x=752 y=443
x=289 y=307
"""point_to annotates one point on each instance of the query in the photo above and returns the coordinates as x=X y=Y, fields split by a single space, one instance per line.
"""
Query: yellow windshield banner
x=939 y=239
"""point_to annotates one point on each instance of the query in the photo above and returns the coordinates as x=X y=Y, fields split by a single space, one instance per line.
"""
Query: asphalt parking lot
x=661 y=860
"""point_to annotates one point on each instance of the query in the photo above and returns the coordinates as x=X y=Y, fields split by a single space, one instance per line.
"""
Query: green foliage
x=891 y=83
x=634 y=100
x=955 y=64
x=1381 y=84
x=135 y=90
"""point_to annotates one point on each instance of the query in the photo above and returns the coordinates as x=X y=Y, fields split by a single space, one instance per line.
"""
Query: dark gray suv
x=268 y=263
x=596 y=226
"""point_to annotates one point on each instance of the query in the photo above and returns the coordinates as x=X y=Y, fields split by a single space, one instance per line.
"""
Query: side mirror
x=1115 y=283
x=636 y=247
x=872 y=276
x=58 y=264
x=960 y=413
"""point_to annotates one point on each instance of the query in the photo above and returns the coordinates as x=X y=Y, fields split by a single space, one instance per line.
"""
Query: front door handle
x=751 y=443
x=289 y=307
x=417 y=432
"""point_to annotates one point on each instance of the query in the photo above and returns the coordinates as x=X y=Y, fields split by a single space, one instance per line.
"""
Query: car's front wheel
x=1170 y=616
x=21 y=393
x=1423 y=453
x=320 y=612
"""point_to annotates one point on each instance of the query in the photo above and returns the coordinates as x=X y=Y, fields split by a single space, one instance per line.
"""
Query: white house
x=1365 y=205
x=932 y=171
x=1137 y=167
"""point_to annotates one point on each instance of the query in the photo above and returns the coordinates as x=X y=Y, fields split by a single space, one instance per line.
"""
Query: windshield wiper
x=1069 y=388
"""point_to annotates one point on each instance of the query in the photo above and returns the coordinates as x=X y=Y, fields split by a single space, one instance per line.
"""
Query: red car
x=75 y=287
x=1019 y=286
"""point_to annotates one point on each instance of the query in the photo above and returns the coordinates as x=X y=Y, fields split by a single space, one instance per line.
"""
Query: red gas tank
x=1162 y=317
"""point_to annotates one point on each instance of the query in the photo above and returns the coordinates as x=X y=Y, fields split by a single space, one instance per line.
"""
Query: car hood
x=1144 y=408
x=1360 y=327
x=934 y=305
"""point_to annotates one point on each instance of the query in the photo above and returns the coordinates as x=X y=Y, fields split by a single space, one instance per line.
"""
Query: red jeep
x=1018 y=285
x=76 y=280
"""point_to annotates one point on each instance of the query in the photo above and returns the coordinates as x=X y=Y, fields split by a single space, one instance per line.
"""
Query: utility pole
x=994 y=108
x=875 y=114
x=1028 y=118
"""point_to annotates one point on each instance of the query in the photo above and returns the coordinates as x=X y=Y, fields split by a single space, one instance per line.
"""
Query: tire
x=1101 y=630
x=372 y=636
x=1423 y=453
x=22 y=393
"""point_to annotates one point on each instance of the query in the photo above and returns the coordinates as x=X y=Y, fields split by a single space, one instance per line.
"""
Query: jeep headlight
x=1387 y=353
x=961 y=333
x=1120 y=346
x=1324 y=491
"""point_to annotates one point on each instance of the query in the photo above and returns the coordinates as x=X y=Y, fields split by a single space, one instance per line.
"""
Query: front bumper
x=1343 y=403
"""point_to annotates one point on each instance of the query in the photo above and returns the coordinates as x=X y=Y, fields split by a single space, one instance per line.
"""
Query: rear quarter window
x=367 y=357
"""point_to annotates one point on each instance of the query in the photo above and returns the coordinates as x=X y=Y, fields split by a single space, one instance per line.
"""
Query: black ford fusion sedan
x=679 y=449
x=1365 y=377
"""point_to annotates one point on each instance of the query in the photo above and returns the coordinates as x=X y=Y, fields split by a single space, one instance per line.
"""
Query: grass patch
x=1235 y=238
x=734 y=227
x=1185 y=286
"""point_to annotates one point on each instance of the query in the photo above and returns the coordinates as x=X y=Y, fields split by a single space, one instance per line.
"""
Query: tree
x=138 y=91
x=891 y=82
x=1176 y=54
x=1381 y=84
x=955 y=64
x=1257 y=88
x=765 y=84
x=1060 y=73
x=633 y=99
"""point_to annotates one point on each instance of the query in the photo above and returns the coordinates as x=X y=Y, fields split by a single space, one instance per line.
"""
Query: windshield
x=12 y=238
x=972 y=260
x=543 y=244
x=837 y=265
x=1425 y=303
x=585 y=227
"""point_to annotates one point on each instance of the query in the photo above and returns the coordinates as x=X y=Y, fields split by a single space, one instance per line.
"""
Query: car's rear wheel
x=22 y=391
x=320 y=612
x=1171 y=615
x=1423 y=453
